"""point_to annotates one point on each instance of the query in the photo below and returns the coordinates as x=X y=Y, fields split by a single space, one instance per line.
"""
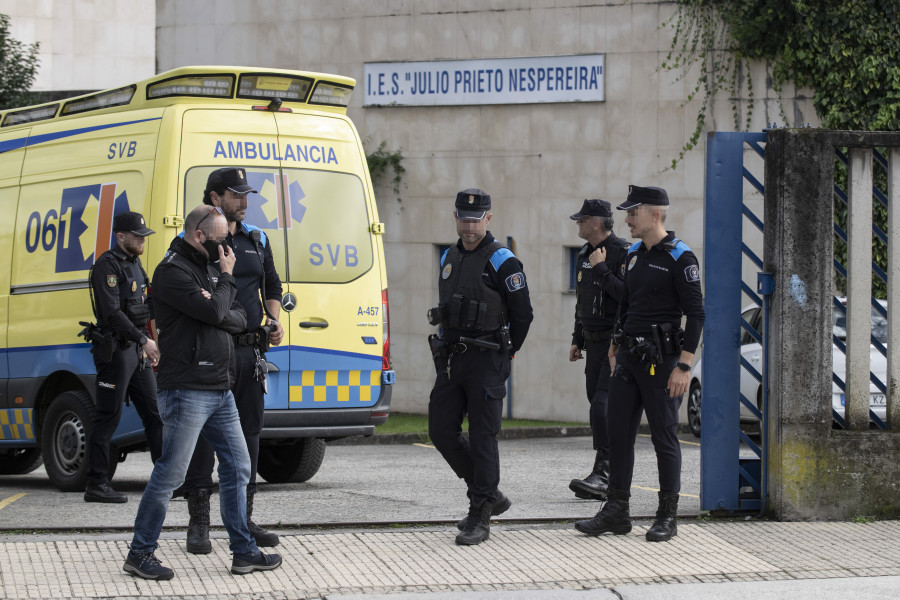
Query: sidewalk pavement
x=708 y=559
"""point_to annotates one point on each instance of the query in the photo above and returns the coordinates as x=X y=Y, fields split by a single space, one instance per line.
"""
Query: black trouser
x=632 y=390
x=120 y=376
x=477 y=386
x=596 y=375
x=250 y=400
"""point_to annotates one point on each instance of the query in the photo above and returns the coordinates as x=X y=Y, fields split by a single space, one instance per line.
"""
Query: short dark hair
x=607 y=223
x=197 y=219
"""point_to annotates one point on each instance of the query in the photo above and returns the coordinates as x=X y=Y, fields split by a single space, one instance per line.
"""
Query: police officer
x=484 y=315
x=120 y=296
x=653 y=361
x=255 y=278
x=598 y=289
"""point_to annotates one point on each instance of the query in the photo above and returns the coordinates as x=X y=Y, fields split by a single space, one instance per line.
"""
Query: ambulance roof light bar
x=30 y=115
x=99 y=100
x=211 y=86
x=331 y=94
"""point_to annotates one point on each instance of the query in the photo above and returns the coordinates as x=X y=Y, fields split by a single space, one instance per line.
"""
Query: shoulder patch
x=692 y=273
x=112 y=281
x=516 y=281
x=500 y=256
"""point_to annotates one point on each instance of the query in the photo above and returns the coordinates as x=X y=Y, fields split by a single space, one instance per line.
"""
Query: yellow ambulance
x=68 y=167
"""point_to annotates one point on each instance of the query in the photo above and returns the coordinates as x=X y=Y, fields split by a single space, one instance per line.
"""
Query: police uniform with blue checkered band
x=481 y=292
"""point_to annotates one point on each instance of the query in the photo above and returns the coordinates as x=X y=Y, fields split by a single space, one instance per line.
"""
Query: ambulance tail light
x=331 y=94
x=386 y=332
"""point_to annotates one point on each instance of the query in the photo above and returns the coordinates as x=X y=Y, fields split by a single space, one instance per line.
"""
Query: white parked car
x=752 y=352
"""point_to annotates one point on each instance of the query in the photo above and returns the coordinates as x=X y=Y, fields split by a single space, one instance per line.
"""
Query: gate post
x=799 y=244
x=720 y=413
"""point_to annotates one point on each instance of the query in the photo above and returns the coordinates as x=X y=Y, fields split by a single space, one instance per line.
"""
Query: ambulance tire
x=64 y=440
x=19 y=461
x=291 y=463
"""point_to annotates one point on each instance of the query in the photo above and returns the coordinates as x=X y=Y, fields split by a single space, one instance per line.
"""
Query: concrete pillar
x=816 y=472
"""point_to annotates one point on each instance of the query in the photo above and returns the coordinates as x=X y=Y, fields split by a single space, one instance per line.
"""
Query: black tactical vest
x=468 y=306
x=594 y=308
x=133 y=293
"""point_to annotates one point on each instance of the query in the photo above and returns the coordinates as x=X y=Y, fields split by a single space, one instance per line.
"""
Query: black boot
x=612 y=518
x=500 y=506
x=198 y=526
x=478 y=526
x=665 y=527
x=263 y=538
x=595 y=485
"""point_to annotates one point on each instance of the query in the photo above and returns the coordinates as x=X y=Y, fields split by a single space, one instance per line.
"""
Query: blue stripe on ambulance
x=34 y=140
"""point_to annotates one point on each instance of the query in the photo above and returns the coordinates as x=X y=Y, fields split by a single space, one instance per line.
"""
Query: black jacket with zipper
x=195 y=333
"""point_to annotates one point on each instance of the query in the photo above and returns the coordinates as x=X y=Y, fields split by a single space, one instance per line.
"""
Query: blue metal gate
x=729 y=482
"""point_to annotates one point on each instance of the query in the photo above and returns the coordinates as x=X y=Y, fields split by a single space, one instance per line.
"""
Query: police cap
x=472 y=203
x=131 y=222
x=229 y=178
x=638 y=195
x=593 y=208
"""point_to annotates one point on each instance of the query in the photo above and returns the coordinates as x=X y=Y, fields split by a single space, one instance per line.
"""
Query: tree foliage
x=847 y=51
x=18 y=68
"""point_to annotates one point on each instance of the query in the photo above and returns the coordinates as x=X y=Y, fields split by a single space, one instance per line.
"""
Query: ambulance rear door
x=332 y=309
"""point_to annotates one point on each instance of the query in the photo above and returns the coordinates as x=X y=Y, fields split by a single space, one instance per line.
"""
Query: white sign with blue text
x=576 y=78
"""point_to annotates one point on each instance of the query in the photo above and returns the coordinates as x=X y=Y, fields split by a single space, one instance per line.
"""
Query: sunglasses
x=212 y=211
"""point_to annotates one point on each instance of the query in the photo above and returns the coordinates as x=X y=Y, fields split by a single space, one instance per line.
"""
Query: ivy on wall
x=381 y=161
x=847 y=51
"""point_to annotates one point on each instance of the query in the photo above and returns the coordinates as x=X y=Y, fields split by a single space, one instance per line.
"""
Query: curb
x=513 y=433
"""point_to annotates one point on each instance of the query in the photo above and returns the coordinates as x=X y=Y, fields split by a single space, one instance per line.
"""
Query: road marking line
x=420 y=445
x=656 y=490
x=11 y=499
x=646 y=435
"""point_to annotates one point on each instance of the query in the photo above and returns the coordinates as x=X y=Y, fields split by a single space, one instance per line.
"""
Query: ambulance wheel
x=291 y=463
x=19 y=461
x=64 y=440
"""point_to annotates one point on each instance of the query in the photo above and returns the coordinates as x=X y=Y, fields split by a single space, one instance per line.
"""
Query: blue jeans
x=185 y=415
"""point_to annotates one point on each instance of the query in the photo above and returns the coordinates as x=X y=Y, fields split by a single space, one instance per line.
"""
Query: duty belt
x=595 y=336
x=245 y=339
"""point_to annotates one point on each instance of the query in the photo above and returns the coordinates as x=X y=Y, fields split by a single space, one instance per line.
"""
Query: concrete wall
x=86 y=44
x=538 y=161
x=815 y=472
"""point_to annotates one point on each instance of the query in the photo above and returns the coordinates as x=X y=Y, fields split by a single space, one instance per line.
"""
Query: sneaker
x=104 y=493
x=242 y=564
x=147 y=566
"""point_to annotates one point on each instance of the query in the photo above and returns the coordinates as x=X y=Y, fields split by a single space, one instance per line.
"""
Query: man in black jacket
x=598 y=290
x=196 y=315
x=254 y=275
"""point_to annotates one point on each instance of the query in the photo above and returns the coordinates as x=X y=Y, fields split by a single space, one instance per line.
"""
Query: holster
x=103 y=343
x=439 y=348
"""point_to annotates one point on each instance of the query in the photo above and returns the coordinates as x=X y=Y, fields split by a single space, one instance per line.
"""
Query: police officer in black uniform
x=120 y=296
x=254 y=275
x=484 y=315
x=653 y=361
x=598 y=289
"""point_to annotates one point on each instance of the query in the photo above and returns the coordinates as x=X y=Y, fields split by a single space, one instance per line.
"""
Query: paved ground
x=805 y=559
x=79 y=548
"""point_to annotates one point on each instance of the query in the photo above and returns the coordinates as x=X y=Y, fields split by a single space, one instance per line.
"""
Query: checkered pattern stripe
x=15 y=424
x=351 y=387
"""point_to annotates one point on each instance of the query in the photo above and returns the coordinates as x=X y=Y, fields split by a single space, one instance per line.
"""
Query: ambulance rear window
x=319 y=220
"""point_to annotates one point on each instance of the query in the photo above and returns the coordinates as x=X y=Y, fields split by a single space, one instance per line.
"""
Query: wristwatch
x=143 y=340
x=683 y=366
